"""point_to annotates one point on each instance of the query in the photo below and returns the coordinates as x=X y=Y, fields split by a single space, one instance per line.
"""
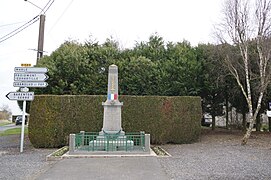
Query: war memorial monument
x=111 y=139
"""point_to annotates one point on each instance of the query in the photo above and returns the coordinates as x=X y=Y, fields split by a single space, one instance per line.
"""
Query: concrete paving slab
x=111 y=168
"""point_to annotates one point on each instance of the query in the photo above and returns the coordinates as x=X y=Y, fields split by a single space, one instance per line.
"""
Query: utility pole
x=41 y=32
x=41 y=37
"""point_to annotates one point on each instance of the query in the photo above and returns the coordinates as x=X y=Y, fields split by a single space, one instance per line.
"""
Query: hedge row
x=167 y=119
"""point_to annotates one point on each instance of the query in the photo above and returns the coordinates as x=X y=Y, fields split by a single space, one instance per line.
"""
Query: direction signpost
x=25 y=77
x=31 y=69
x=21 y=96
x=30 y=84
x=30 y=77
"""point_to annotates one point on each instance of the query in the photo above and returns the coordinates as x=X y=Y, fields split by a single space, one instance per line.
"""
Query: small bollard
x=147 y=143
x=72 y=143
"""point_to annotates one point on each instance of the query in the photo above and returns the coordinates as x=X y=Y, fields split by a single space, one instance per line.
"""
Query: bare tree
x=5 y=112
x=245 y=24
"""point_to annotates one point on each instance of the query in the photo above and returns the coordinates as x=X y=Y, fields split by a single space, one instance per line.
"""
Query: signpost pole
x=22 y=131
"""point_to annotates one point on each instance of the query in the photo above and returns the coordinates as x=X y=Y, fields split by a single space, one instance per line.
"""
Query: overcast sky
x=127 y=21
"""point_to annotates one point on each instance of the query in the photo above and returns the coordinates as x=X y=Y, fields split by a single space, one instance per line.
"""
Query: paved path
x=113 y=168
x=9 y=126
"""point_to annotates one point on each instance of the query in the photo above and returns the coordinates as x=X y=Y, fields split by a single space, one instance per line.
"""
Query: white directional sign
x=21 y=96
x=30 y=77
x=30 y=84
x=31 y=69
x=25 y=77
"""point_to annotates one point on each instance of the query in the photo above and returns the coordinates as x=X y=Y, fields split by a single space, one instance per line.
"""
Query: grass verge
x=4 y=122
x=13 y=131
x=159 y=151
x=61 y=151
x=57 y=155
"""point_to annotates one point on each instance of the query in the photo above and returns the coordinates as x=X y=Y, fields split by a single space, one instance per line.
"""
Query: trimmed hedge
x=167 y=119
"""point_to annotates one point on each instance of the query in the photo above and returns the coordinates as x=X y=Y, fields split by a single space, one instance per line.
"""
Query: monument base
x=111 y=141
x=93 y=142
x=102 y=144
x=111 y=133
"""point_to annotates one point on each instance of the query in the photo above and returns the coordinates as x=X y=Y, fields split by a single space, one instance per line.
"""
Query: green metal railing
x=92 y=141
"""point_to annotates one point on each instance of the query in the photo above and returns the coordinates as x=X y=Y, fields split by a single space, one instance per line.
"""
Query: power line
x=58 y=19
x=34 y=5
x=10 y=24
x=42 y=9
x=30 y=22
x=48 y=5
x=20 y=29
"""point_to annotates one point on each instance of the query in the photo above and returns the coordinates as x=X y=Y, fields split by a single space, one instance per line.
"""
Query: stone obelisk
x=112 y=106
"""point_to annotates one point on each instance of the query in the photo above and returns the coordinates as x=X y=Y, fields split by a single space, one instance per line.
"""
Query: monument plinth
x=112 y=106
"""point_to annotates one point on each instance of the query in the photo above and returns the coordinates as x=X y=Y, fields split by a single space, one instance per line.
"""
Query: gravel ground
x=16 y=165
x=219 y=155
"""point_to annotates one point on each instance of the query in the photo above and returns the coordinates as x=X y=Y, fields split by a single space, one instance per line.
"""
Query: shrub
x=167 y=119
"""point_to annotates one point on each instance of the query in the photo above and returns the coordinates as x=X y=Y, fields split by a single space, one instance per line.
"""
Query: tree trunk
x=231 y=115
x=251 y=122
x=248 y=133
x=227 y=113
x=258 y=123
x=213 y=122
x=244 y=123
x=269 y=123
x=236 y=118
x=249 y=130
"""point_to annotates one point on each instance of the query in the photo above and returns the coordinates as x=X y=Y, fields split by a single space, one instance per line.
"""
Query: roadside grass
x=5 y=122
x=13 y=131
x=60 y=151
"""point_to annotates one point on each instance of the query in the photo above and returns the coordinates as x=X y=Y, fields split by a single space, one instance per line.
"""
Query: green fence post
x=142 y=134
x=82 y=133
x=126 y=146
